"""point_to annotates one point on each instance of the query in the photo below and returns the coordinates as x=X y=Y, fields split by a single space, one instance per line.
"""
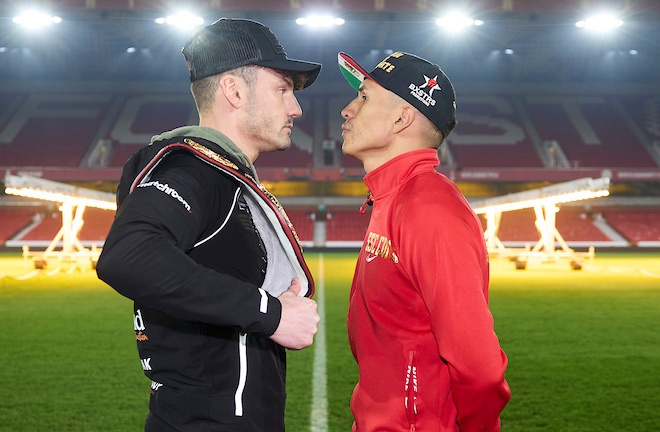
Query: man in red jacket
x=418 y=321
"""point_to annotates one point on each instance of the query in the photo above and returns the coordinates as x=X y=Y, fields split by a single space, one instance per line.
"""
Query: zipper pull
x=367 y=202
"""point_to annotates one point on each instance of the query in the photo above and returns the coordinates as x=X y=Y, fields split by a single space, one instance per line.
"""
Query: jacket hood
x=212 y=135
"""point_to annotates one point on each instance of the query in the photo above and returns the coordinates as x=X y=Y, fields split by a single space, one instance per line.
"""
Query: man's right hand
x=299 y=320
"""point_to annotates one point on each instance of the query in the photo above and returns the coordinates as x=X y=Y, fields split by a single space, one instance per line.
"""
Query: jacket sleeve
x=448 y=265
x=144 y=257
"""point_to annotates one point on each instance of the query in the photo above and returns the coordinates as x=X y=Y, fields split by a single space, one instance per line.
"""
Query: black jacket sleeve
x=144 y=257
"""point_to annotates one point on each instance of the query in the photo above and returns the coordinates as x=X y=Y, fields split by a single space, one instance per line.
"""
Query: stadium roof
x=345 y=5
x=519 y=41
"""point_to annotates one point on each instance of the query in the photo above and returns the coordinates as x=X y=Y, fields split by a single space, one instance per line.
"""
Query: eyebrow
x=284 y=77
x=288 y=79
x=364 y=87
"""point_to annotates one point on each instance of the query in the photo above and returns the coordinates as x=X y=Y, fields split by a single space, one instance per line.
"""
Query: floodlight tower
x=73 y=201
x=544 y=202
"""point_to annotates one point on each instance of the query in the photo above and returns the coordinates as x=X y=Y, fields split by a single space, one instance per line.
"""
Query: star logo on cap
x=431 y=83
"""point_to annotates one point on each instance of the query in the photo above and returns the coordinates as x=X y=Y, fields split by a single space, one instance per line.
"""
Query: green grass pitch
x=583 y=347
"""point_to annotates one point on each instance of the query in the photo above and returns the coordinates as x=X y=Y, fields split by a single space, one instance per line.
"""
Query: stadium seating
x=594 y=134
x=572 y=223
x=575 y=225
x=346 y=225
x=95 y=228
x=46 y=230
x=493 y=131
x=50 y=142
x=497 y=130
x=13 y=220
x=490 y=134
x=635 y=225
x=517 y=226
x=121 y=153
x=303 y=223
x=294 y=157
x=97 y=224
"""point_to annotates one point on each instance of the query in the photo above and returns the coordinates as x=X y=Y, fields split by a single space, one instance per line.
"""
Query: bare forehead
x=372 y=87
x=375 y=90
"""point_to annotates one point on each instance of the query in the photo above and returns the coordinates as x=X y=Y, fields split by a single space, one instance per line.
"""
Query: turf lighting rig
x=73 y=201
x=544 y=202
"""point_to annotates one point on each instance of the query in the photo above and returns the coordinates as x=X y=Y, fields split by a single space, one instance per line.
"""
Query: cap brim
x=310 y=69
x=352 y=71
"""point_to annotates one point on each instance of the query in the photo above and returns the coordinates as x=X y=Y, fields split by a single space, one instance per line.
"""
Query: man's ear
x=406 y=118
x=232 y=89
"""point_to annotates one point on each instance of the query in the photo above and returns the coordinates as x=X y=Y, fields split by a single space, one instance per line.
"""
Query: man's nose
x=294 y=109
x=347 y=111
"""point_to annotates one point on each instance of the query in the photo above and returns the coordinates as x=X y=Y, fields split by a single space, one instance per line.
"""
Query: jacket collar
x=212 y=135
x=388 y=177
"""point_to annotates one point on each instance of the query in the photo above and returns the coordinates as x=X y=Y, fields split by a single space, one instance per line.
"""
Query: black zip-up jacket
x=186 y=248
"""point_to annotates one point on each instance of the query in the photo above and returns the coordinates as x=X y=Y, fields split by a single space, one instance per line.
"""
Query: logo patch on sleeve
x=167 y=190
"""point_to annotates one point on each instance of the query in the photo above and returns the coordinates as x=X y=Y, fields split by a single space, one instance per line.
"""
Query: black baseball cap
x=419 y=82
x=230 y=43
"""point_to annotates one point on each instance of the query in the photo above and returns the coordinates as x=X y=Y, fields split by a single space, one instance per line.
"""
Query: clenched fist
x=299 y=321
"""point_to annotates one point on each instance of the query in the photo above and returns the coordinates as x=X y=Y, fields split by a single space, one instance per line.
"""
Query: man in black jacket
x=208 y=255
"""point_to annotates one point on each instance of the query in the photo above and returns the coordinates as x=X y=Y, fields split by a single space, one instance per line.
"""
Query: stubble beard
x=263 y=130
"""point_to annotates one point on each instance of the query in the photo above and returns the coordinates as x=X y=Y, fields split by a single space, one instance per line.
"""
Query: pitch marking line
x=319 y=415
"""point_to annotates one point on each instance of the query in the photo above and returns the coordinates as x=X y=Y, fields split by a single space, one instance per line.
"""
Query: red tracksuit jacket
x=418 y=320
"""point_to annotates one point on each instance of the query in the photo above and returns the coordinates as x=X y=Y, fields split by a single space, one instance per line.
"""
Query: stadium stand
x=303 y=222
x=638 y=226
x=491 y=135
x=51 y=129
x=494 y=131
x=45 y=230
x=346 y=225
x=140 y=118
x=583 y=127
x=516 y=228
x=574 y=225
x=97 y=224
x=13 y=220
x=519 y=121
x=56 y=142
x=43 y=225
x=294 y=157
x=577 y=226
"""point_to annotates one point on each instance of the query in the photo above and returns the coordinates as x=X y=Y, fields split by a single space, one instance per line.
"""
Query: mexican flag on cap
x=352 y=71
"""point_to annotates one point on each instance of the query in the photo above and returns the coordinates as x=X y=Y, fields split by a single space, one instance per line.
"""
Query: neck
x=382 y=156
x=227 y=128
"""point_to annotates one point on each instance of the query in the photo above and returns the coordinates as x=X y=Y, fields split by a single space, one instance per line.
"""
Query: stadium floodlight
x=73 y=201
x=456 y=21
x=34 y=19
x=575 y=190
x=600 y=23
x=316 y=21
x=544 y=202
x=48 y=190
x=181 y=20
